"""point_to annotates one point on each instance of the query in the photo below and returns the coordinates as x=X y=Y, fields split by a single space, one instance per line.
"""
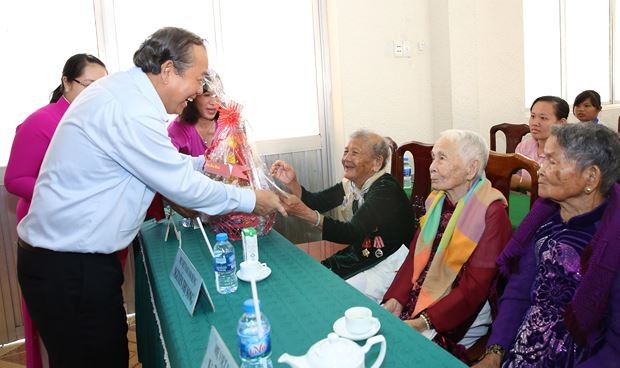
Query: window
x=569 y=48
x=36 y=45
x=269 y=63
x=271 y=66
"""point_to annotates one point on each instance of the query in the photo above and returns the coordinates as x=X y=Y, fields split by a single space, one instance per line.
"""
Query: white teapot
x=335 y=351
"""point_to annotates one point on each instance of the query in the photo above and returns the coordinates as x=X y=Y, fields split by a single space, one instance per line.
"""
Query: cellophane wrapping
x=231 y=159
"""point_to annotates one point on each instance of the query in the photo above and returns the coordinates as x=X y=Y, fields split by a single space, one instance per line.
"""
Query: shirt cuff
x=247 y=200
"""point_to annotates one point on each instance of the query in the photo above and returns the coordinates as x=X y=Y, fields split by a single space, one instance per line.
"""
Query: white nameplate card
x=188 y=282
x=217 y=354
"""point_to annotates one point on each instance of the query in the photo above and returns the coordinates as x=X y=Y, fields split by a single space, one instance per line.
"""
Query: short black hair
x=590 y=94
x=560 y=107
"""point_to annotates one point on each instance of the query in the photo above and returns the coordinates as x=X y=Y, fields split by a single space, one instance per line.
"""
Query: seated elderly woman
x=561 y=306
x=444 y=288
x=372 y=214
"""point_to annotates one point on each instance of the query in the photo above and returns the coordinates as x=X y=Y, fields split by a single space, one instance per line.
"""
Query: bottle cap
x=221 y=237
x=248 y=306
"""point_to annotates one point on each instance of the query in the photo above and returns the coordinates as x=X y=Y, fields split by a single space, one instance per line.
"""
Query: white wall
x=371 y=88
x=468 y=75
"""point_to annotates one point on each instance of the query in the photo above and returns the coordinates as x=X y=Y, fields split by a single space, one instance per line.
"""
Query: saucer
x=264 y=273
x=341 y=329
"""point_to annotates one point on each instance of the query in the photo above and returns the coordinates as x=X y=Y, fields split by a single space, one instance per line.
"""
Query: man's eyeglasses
x=85 y=83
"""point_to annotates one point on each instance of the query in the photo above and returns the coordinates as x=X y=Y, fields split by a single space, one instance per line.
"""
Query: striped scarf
x=459 y=240
x=352 y=193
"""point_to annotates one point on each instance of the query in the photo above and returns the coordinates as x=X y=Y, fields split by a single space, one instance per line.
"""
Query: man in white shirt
x=109 y=155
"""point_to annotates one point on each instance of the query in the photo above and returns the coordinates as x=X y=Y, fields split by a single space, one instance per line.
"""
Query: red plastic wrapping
x=232 y=160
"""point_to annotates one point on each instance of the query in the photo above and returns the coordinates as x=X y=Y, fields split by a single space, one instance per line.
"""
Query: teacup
x=358 y=320
x=251 y=269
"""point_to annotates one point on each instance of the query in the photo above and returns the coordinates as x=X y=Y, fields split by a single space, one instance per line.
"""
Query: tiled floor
x=14 y=355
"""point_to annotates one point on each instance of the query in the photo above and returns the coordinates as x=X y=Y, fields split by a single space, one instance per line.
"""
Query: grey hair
x=591 y=144
x=169 y=43
x=379 y=145
x=471 y=145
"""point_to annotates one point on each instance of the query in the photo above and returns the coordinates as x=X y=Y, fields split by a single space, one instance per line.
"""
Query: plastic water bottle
x=406 y=174
x=254 y=347
x=224 y=265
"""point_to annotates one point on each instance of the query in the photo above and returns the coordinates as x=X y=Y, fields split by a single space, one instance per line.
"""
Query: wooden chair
x=421 y=153
x=502 y=166
x=514 y=134
x=499 y=171
x=618 y=124
x=393 y=145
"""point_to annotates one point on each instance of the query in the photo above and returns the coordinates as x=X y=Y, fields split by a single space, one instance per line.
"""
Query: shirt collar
x=586 y=219
x=148 y=90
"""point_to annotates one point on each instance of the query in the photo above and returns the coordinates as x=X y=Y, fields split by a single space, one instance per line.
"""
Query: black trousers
x=76 y=302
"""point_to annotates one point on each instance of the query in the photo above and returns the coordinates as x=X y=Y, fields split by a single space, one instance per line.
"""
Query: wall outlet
x=398 y=48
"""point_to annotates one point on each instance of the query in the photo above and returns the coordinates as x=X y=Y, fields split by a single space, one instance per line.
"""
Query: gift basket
x=231 y=160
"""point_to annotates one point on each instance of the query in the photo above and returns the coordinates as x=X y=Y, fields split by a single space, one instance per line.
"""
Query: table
x=301 y=298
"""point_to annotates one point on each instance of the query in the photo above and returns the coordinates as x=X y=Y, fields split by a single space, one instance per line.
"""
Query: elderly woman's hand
x=489 y=361
x=393 y=306
x=295 y=207
x=286 y=174
x=417 y=323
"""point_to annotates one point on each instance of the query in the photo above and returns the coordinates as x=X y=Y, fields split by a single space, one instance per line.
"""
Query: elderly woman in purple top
x=561 y=306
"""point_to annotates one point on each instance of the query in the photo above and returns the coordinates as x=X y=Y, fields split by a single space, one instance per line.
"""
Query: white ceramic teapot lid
x=335 y=351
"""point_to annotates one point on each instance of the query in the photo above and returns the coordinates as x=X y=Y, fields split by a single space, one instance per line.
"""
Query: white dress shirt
x=108 y=157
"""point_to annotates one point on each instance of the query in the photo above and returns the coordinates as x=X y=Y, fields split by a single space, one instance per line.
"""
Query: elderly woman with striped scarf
x=444 y=288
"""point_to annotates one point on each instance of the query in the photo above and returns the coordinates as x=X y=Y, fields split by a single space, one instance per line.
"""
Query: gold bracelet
x=494 y=349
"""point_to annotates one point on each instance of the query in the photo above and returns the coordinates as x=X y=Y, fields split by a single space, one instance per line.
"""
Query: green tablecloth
x=301 y=298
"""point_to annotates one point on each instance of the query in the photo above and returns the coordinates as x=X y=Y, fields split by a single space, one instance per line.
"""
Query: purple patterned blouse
x=542 y=340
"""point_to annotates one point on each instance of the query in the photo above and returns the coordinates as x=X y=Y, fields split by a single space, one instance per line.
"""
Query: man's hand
x=267 y=202
x=185 y=212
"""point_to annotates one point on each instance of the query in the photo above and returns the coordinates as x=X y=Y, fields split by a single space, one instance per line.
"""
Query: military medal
x=365 y=246
x=378 y=243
